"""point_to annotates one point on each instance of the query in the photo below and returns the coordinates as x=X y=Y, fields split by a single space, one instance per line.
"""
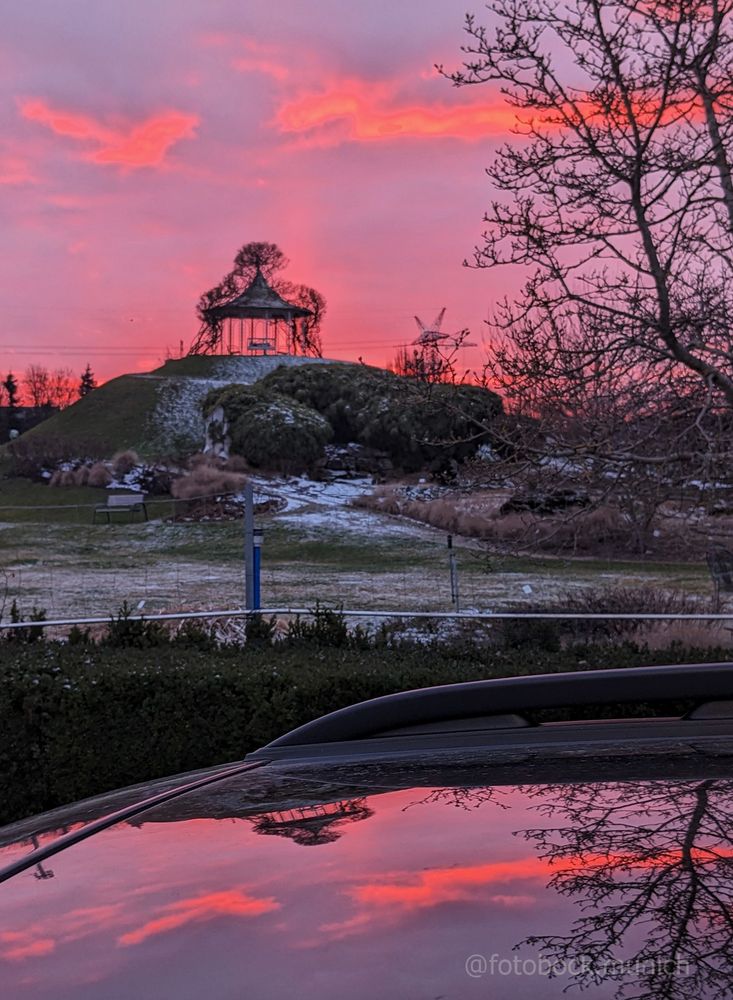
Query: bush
x=267 y=429
x=28 y=633
x=414 y=423
x=99 y=475
x=206 y=481
x=325 y=628
x=78 y=720
x=31 y=456
x=127 y=632
x=124 y=462
x=81 y=476
x=593 y=531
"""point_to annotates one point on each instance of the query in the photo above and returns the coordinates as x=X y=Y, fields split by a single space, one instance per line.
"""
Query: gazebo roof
x=258 y=301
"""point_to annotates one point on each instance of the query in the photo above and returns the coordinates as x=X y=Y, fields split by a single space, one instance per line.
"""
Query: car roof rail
x=395 y=714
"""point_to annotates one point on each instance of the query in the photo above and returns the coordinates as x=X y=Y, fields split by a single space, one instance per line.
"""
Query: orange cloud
x=231 y=903
x=35 y=939
x=359 y=111
x=405 y=892
x=444 y=885
x=142 y=145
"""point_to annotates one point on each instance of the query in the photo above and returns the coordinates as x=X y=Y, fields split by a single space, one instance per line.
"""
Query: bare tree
x=649 y=865
x=615 y=204
x=37 y=384
x=621 y=196
x=308 y=333
x=432 y=361
x=46 y=388
x=62 y=387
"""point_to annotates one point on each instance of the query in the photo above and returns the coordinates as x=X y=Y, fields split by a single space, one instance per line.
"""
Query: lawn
x=53 y=556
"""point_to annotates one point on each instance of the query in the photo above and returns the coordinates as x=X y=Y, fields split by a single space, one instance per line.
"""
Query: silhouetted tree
x=10 y=385
x=62 y=387
x=87 y=382
x=615 y=205
x=49 y=389
x=308 y=335
x=433 y=361
x=619 y=189
x=37 y=384
x=270 y=260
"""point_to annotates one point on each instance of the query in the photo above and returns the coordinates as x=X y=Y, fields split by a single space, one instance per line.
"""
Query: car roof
x=382 y=875
x=417 y=728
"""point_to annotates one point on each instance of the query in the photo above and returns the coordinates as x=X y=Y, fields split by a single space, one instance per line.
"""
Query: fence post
x=454 y=596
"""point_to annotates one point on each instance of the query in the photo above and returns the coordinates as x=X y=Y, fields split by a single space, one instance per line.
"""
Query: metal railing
x=487 y=616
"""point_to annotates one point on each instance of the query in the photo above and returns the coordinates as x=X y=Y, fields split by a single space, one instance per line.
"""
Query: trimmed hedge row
x=78 y=720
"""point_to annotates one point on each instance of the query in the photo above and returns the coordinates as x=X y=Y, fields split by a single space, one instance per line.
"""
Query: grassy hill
x=114 y=416
x=156 y=413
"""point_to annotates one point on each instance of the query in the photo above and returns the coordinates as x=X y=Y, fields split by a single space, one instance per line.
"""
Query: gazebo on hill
x=257 y=321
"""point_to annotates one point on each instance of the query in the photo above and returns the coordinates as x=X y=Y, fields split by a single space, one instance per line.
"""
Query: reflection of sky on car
x=391 y=907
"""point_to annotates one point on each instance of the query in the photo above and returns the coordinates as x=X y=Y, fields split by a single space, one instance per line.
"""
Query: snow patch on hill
x=177 y=417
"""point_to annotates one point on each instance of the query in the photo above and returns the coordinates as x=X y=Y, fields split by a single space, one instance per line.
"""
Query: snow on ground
x=299 y=491
x=319 y=508
x=248 y=369
x=178 y=413
x=352 y=522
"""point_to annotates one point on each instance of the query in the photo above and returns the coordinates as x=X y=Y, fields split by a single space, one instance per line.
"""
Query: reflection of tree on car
x=648 y=860
x=650 y=865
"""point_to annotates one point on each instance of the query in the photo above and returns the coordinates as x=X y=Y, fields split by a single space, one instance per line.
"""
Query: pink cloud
x=231 y=903
x=251 y=54
x=259 y=64
x=443 y=885
x=31 y=949
x=390 y=898
x=15 y=169
x=137 y=145
x=36 y=939
x=358 y=110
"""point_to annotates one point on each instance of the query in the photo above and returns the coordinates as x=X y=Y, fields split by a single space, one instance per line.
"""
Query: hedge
x=77 y=720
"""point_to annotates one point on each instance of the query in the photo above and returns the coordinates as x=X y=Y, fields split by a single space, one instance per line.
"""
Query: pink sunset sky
x=142 y=143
